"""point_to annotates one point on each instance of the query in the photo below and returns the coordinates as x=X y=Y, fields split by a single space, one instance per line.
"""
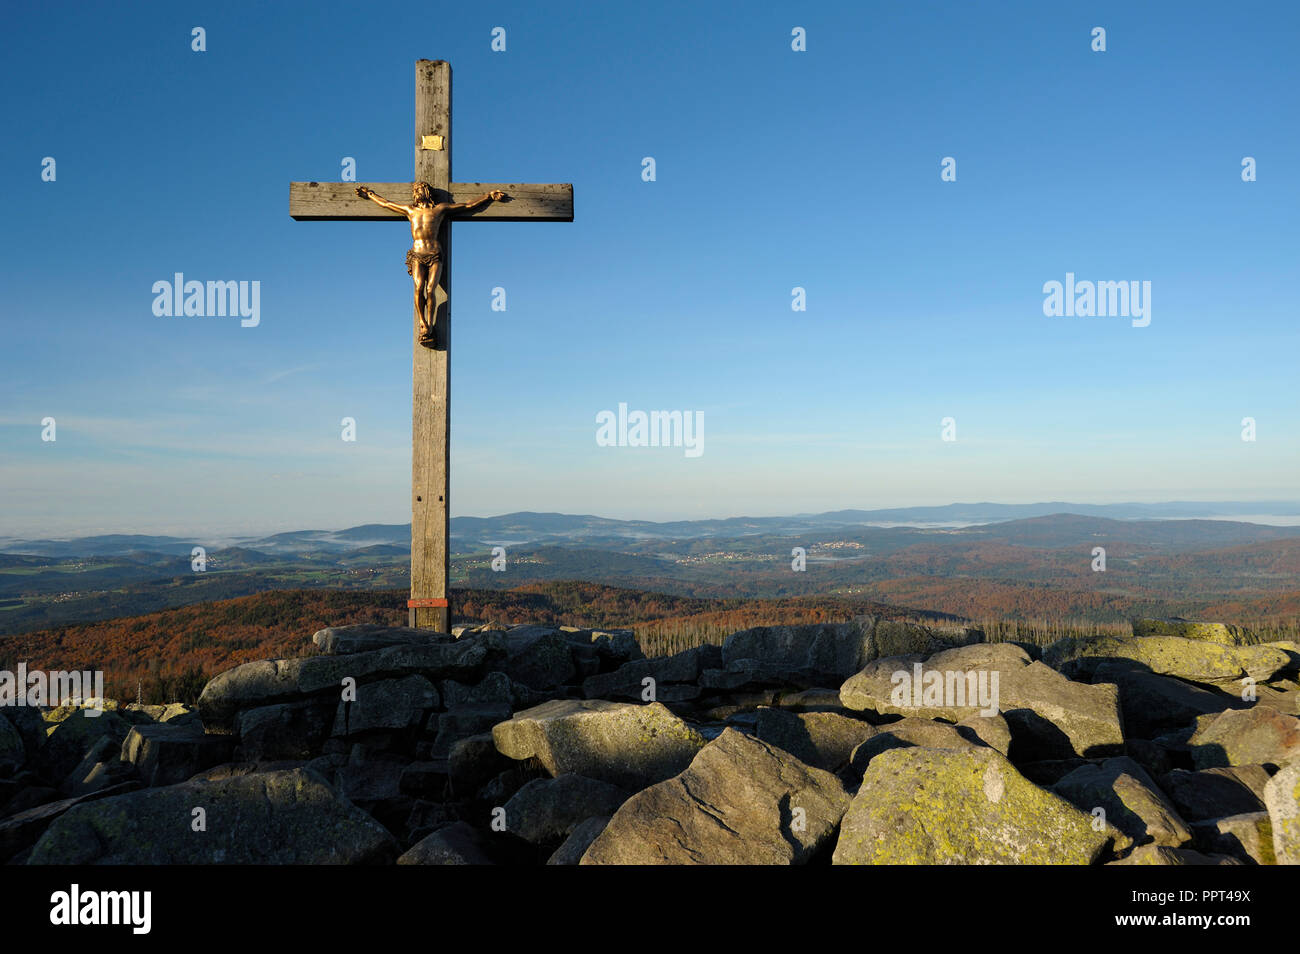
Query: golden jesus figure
x=424 y=260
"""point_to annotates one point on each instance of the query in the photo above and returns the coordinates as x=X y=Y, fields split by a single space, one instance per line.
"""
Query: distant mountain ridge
x=1041 y=565
x=528 y=527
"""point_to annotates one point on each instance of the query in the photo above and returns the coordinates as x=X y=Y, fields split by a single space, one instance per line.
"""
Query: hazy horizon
x=228 y=534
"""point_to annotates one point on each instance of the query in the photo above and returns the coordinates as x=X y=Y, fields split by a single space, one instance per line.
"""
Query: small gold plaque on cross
x=431 y=142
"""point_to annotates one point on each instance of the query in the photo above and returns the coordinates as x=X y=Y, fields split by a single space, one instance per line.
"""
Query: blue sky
x=775 y=169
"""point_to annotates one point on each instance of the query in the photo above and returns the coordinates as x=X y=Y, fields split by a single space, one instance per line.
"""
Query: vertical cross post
x=431 y=371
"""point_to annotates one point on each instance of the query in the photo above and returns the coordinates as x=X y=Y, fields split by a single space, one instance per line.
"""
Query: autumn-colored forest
x=168 y=656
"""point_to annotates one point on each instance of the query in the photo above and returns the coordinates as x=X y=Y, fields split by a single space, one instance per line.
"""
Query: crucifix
x=435 y=201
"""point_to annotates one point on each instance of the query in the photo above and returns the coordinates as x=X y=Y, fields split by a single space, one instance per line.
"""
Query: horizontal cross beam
x=338 y=201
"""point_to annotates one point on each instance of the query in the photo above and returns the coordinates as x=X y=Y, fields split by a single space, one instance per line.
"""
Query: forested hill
x=167 y=654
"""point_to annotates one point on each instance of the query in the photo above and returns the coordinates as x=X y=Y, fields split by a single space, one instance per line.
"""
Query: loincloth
x=422 y=258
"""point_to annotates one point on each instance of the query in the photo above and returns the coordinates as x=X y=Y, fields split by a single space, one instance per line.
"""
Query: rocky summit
x=869 y=741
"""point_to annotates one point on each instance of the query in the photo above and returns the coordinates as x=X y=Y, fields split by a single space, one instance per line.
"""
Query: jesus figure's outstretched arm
x=496 y=195
x=378 y=199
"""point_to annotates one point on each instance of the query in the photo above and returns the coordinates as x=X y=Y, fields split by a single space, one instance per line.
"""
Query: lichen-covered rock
x=165 y=754
x=177 y=713
x=322 y=766
x=993 y=731
x=627 y=745
x=69 y=739
x=138 y=713
x=1152 y=704
x=1292 y=651
x=464 y=721
x=834 y=648
x=286 y=730
x=809 y=700
x=726 y=706
x=1153 y=756
x=495 y=688
x=268 y=682
x=1053 y=717
x=576 y=845
x=290 y=817
x=474 y=761
x=540 y=657
x=102 y=767
x=1190 y=629
x=839 y=649
x=741 y=801
x=824 y=740
x=1193 y=659
x=908 y=732
x=1282 y=797
x=21 y=829
x=751 y=675
x=1281 y=694
x=891 y=638
x=961 y=806
x=456 y=844
x=1132 y=801
x=503 y=785
x=1049 y=715
x=385 y=704
x=1215 y=792
x=364 y=637
x=1247 y=837
x=893 y=685
x=629 y=680
x=586 y=658
x=373 y=781
x=1259 y=735
x=616 y=646
x=547 y=810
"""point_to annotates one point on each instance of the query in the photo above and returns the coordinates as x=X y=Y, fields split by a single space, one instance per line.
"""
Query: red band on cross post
x=424 y=601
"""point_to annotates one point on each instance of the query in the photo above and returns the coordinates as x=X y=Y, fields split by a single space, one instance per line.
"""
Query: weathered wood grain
x=431 y=373
x=338 y=201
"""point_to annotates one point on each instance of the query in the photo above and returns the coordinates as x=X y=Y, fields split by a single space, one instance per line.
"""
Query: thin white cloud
x=284 y=373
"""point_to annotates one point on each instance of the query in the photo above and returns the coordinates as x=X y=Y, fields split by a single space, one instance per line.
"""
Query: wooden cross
x=429 y=607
